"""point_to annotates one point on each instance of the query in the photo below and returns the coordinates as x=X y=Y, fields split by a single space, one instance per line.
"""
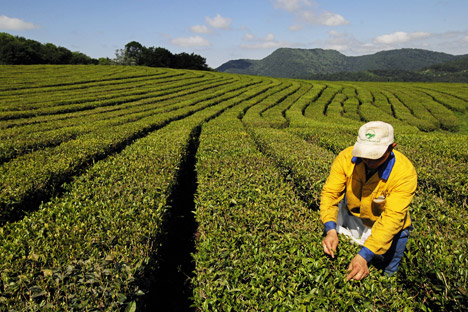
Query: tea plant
x=91 y=158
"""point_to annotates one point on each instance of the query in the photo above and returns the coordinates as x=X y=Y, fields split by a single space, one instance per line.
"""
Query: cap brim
x=369 y=151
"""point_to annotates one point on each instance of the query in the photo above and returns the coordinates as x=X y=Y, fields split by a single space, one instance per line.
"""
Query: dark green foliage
x=289 y=63
x=401 y=59
x=16 y=50
x=121 y=137
x=135 y=53
x=458 y=65
x=396 y=75
x=381 y=75
x=157 y=57
x=395 y=65
x=233 y=66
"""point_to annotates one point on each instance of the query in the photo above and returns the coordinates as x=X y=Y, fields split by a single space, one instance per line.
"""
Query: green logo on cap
x=370 y=135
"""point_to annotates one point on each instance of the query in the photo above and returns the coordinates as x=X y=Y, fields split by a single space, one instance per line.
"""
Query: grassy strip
x=420 y=101
x=457 y=101
x=45 y=119
x=93 y=247
x=436 y=284
x=275 y=114
x=435 y=270
x=41 y=99
x=90 y=103
x=246 y=242
x=306 y=164
x=274 y=99
x=351 y=104
x=439 y=170
x=34 y=177
x=335 y=109
x=445 y=176
x=95 y=86
x=425 y=121
x=26 y=139
x=436 y=213
x=45 y=123
x=381 y=106
x=324 y=97
x=259 y=246
x=401 y=112
x=39 y=76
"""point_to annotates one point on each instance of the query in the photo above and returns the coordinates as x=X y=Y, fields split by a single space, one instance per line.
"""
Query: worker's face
x=375 y=163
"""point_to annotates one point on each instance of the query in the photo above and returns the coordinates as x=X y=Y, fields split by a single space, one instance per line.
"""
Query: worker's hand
x=330 y=242
x=357 y=269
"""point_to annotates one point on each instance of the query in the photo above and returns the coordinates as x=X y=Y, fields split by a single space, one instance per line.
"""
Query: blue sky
x=222 y=30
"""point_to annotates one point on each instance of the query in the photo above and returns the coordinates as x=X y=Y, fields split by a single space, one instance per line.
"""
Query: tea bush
x=91 y=158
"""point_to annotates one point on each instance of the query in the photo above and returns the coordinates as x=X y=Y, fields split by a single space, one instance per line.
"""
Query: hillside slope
x=304 y=63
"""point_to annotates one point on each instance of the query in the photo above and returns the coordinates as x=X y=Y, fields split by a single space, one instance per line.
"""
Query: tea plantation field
x=143 y=189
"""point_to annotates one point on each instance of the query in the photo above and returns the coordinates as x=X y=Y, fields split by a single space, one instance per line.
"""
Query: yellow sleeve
x=333 y=190
x=396 y=213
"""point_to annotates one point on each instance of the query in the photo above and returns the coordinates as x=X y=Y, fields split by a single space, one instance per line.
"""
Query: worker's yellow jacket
x=382 y=202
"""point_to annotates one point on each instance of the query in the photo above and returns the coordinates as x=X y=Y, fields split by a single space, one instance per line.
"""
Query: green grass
x=91 y=157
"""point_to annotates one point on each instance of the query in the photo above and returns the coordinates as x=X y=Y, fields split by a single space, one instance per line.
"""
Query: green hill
x=451 y=71
x=455 y=66
x=309 y=63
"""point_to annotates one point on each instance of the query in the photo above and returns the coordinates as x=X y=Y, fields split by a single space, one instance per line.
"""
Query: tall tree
x=134 y=52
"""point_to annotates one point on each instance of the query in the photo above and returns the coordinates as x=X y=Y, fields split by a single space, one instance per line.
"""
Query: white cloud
x=326 y=18
x=347 y=44
x=196 y=41
x=11 y=23
x=270 y=37
x=331 y=19
x=338 y=47
x=339 y=41
x=304 y=12
x=291 y=5
x=219 y=22
x=308 y=16
x=295 y=27
x=249 y=37
x=452 y=42
x=266 y=45
x=400 y=37
x=200 y=29
x=267 y=42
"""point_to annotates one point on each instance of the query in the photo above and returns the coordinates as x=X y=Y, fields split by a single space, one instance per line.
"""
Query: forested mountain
x=452 y=71
x=393 y=65
x=457 y=65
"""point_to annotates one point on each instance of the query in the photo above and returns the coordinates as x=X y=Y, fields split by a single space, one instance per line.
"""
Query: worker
x=367 y=196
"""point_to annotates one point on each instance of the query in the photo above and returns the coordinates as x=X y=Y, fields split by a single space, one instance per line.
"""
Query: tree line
x=431 y=74
x=15 y=50
x=134 y=53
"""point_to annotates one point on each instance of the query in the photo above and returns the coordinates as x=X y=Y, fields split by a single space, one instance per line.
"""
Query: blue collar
x=385 y=169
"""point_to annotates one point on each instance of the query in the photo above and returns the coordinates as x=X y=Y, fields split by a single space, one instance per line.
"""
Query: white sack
x=351 y=226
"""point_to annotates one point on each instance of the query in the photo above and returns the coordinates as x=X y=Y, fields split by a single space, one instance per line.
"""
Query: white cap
x=373 y=140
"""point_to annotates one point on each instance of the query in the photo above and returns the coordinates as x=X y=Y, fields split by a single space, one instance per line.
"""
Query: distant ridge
x=313 y=63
